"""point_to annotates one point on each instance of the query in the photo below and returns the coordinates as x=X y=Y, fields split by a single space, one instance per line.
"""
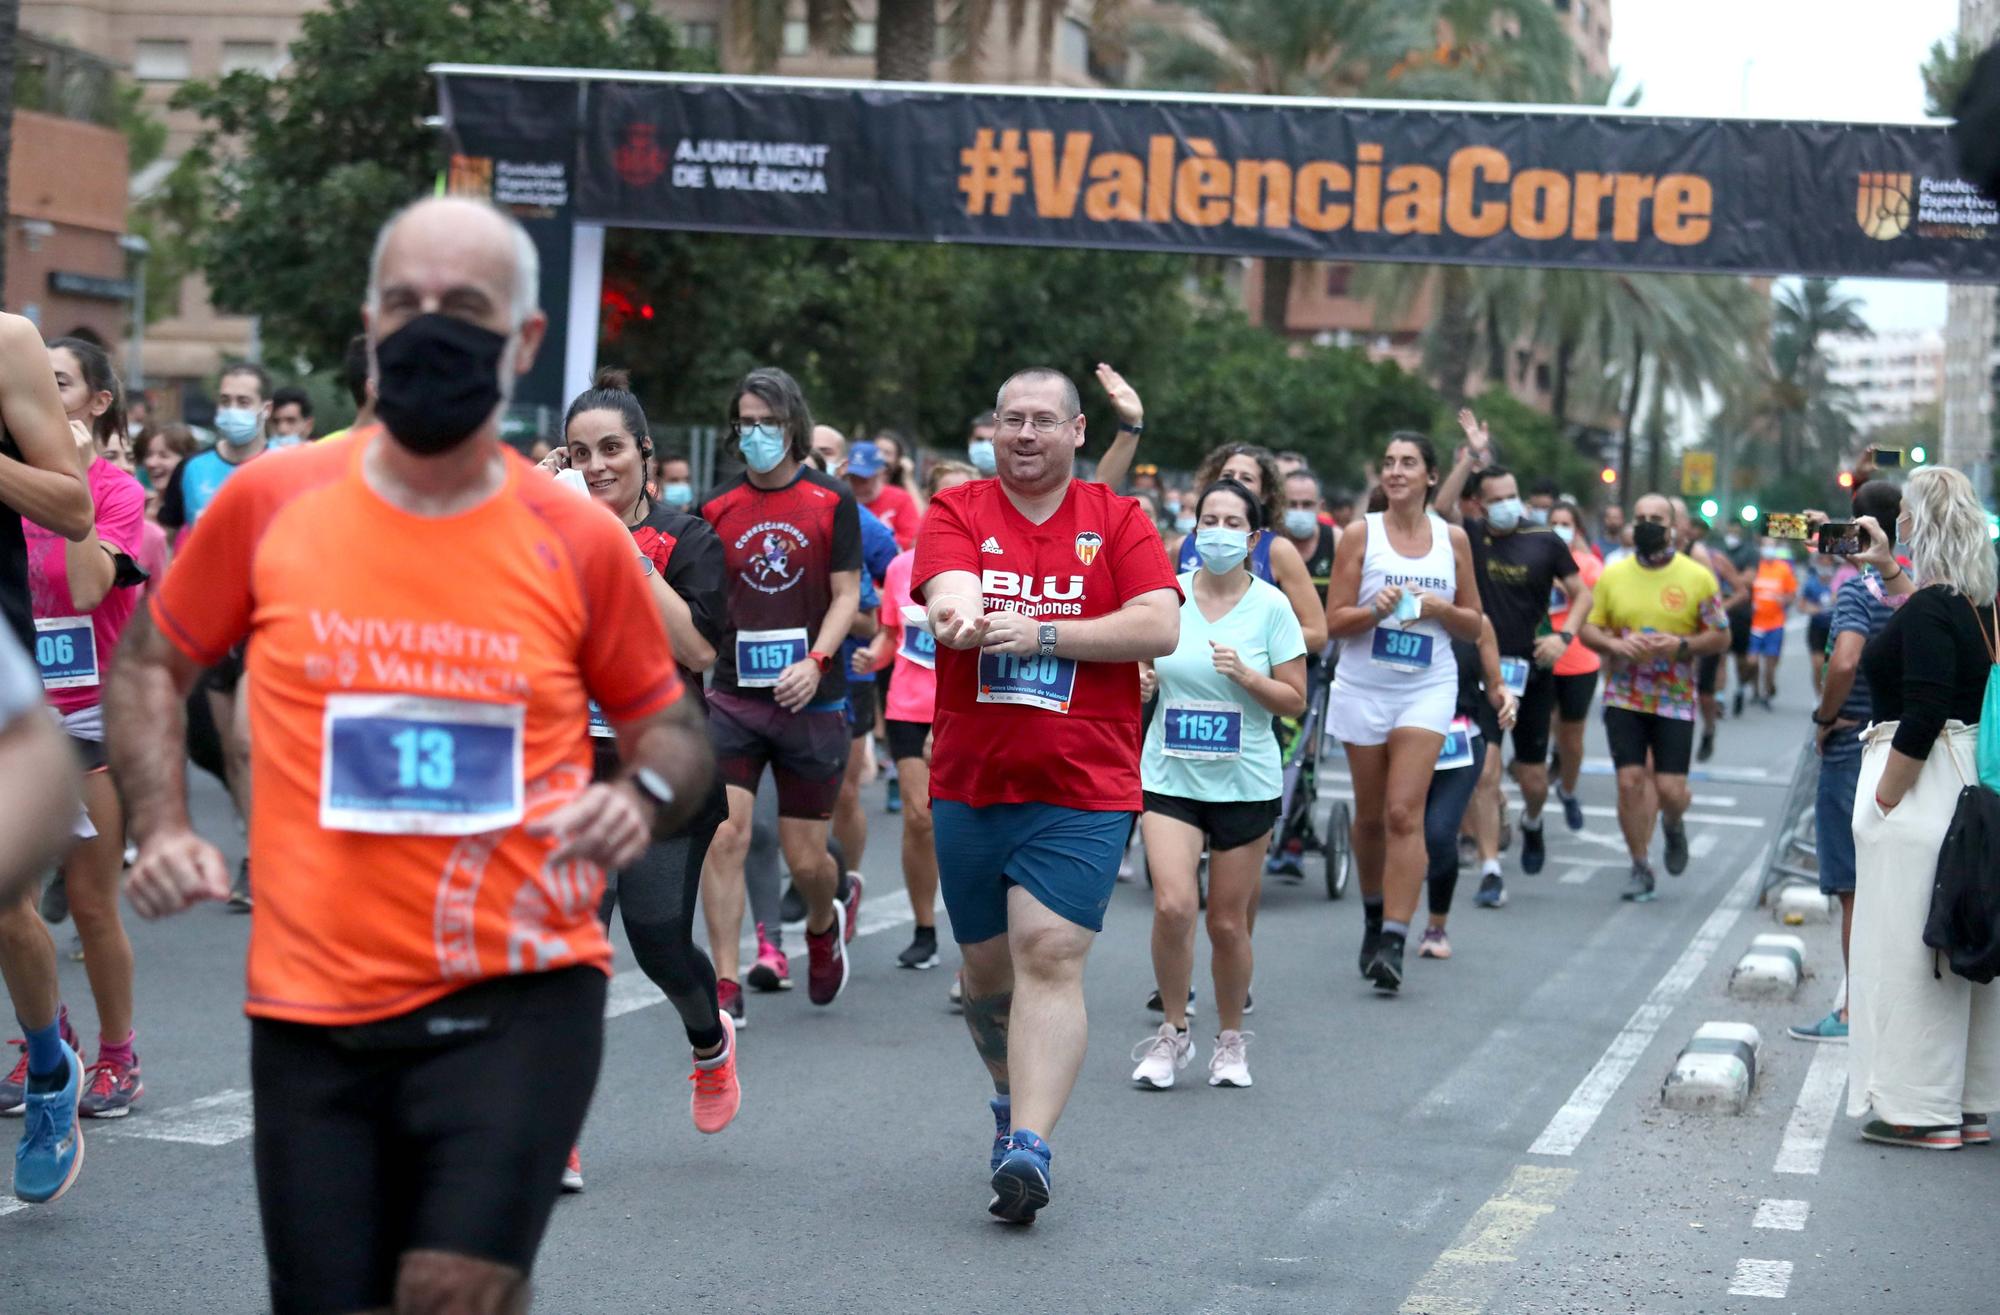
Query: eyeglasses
x=738 y=428
x=1041 y=424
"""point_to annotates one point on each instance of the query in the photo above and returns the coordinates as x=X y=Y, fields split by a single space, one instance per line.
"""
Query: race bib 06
x=395 y=764
x=1200 y=729
x=763 y=655
x=1401 y=650
x=66 y=652
x=1038 y=682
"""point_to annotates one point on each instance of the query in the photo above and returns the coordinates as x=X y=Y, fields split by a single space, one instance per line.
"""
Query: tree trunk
x=905 y=40
x=1631 y=422
x=1454 y=338
x=10 y=23
x=1496 y=351
x=1656 y=438
x=1559 y=386
x=1277 y=298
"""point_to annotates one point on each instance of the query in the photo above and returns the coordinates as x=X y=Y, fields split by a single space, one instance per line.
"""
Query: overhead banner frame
x=1324 y=180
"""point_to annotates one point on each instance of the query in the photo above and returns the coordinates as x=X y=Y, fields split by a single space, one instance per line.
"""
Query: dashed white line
x=1811 y=1123
x=1761 y=1278
x=1573 y=1122
x=1787 y=1216
x=215 y=1120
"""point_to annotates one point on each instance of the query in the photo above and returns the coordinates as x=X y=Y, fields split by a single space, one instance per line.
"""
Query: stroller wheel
x=1339 y=853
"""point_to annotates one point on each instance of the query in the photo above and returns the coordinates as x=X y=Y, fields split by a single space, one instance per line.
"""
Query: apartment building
x=1892 y=377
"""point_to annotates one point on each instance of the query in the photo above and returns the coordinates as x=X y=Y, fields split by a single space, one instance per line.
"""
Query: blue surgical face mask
x=236 y=425
x=1504 y=515
x=981 y=452
x=1535 y=515
x=763 y=447
x=1566 y=534
x=1300 y=522
x=678 y=495
x=1221 y=549
x=1184 y=522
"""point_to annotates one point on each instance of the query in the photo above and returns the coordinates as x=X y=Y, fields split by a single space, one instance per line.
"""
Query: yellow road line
x=1465 y=1277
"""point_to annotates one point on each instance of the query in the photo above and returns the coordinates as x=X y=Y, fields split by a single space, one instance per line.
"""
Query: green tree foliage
x=302 y=169
x=1526 y=441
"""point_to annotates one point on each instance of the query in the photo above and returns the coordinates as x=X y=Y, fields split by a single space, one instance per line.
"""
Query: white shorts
x=1365 y=717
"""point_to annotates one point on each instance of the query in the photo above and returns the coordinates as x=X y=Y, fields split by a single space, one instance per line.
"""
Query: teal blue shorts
x=1067 y=858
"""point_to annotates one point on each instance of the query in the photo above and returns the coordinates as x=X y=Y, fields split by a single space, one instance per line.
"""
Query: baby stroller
x=1297 y=832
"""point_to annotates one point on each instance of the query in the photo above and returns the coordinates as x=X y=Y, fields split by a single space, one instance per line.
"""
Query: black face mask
x=437 y=380
x=1650 y=541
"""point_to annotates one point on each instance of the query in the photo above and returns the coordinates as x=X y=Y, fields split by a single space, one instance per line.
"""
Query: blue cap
x=864 y=461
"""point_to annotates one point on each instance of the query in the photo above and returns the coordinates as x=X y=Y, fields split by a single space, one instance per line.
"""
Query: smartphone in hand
x=1839 y=538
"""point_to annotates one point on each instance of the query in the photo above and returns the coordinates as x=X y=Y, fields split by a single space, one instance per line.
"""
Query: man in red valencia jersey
x=1044 y=593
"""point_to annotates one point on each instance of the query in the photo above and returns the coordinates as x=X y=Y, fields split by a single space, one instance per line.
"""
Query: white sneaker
x=1228 y=1067
x=1160 y=1056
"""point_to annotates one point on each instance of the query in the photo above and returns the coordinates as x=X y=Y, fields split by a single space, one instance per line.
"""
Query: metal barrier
x=1794 y=855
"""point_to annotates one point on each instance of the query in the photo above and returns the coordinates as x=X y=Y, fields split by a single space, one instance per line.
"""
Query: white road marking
x=1611 y=842
x=9 y=1204
x=1702 y=845
x=1790 y=1216
x=1573 y=1122
x=215 y=1120
x=1811 y=1123
x=1761 y=1278
x=1583 y=872
x=1601 y=810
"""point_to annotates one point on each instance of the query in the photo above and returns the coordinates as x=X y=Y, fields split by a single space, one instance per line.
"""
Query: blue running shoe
x=894 y=803
x=1572 y=810
x=1021 y=1183
x=51 y=1150
x=1003 y=1124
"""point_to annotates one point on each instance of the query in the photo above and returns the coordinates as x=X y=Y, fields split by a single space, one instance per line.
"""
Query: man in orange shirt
x=1773 y=590
x=427 y=971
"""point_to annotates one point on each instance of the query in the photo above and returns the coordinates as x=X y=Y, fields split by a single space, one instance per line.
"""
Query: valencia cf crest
x=1087 y=545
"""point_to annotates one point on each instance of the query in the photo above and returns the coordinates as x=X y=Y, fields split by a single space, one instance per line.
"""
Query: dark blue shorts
x=1067 y=858
x=1767 y=643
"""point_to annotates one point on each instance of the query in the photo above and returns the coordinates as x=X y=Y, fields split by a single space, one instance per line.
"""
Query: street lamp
x=136 y=249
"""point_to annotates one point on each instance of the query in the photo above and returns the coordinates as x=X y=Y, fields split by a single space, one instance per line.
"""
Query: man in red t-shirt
x=893 y=506
x=1044 y=593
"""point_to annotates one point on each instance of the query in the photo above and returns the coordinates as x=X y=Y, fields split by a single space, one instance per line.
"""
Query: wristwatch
x=824 y=661
x=646 y=566
x=655 y=788
x=1828 y=722
x=1048 y=638
x=1124 y=428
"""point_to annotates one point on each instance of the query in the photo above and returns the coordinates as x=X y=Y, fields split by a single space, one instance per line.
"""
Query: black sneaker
x=792 y=906
x=922 y=951
x=1154 y=1004
x=239 y=889
x=1385 y=969
x=1492 y=892
x=1572 y=810
x=1676 y=833
x=1534 y=852
x=1706 y=749
x=1249 y=1005
x=55 y=899
x=1639 y=887
x=1371 y=936
x=1736 y=706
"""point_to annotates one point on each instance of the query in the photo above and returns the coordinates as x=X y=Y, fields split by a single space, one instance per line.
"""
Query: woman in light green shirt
x=1213 y=775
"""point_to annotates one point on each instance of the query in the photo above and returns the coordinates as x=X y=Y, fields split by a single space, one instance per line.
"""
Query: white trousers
x=1924 y=1049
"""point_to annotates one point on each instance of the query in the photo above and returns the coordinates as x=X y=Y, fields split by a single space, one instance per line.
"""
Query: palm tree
x=906 y=31
x=10 y=24
x=1803 y=315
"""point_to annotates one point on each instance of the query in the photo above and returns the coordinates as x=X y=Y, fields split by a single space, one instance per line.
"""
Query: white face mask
x=1566 y=534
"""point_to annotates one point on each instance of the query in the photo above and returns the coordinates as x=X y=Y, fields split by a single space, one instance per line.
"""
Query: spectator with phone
x=1862 y=606
x=1924 y=1054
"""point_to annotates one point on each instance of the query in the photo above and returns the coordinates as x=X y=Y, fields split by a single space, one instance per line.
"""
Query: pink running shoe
x=826 y=959
x=772 y=971
x=855 y=883
x=717 y=1096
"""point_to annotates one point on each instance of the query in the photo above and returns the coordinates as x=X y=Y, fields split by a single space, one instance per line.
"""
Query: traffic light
x=1749 y=513
x=1609 y=475
x=1710 y=508
x=1917 y=456
x=1847 y=479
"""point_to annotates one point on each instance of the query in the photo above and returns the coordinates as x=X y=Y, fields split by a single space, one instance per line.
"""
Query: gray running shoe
x=1639 y=889
x=1676 y=833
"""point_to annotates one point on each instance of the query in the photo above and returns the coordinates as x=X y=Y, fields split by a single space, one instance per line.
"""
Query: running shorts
x=1573 y=695
x=1635 y=734
x=906 y=739
x=1531 y=723
x=85 y=728
x=1067 y=858
x=1357 y=717
x=861 y=708
x=1739 y=630
x=1227 y=825
x=1819 y=630
x=444 y=1129
x=1767 y=643
x=1707 y=673
x=806 y=751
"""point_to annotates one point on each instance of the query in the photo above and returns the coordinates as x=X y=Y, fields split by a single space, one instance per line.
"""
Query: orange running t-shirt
x=451 y=659
x=1774 y=587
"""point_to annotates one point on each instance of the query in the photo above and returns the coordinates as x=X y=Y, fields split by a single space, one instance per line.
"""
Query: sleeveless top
x=1259 y=563
x=1436 y=572
x=15 y=603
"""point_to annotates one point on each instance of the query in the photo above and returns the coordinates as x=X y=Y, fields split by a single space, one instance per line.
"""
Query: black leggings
x=1444 y=809
x=657 y=894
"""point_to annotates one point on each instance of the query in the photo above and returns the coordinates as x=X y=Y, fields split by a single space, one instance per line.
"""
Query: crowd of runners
x=453 y=779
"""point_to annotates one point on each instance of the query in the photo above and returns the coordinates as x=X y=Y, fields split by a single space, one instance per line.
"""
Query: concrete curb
x=1716 y=1071
x=1798 y=905
x=1770 y=969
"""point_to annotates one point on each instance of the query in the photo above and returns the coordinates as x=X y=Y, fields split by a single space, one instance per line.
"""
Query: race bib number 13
x=395 y=764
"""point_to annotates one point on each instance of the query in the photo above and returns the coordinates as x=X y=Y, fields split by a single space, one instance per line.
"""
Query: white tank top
x=1436 y=572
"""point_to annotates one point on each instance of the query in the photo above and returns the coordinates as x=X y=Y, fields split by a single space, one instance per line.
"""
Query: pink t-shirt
x=72 y=678
x=152 y=556
x=913 y=682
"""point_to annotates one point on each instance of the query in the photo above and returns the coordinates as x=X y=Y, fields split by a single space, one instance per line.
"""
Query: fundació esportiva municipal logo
x=1884 y=205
